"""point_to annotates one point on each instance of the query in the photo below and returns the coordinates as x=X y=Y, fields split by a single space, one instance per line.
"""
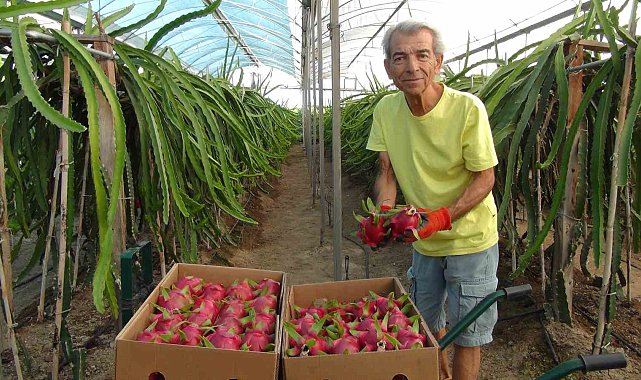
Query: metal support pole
x=304 y=84
x=312 y=126
x=334 y=27
x=321 y=120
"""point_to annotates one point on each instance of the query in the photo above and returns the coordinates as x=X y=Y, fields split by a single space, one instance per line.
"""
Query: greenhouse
x=320 y=189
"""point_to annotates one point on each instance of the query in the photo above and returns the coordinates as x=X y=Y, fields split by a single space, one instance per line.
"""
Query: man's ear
x=439 y=62
x=387 y=68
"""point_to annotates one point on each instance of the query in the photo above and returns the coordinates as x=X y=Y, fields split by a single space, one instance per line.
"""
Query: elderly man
x=436 y=143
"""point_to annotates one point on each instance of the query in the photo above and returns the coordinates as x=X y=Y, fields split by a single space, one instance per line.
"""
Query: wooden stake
x=597 y=345
x=6 y=275
x=52 y=223
x=76 y=261
x=64 y=179
x=628 y=246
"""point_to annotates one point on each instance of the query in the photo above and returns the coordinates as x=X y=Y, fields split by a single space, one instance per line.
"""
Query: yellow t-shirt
x=433 y=157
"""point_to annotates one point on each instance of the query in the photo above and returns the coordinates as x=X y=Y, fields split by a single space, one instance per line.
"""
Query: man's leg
x=428 y=293
x=467 y=361
x=469 y=279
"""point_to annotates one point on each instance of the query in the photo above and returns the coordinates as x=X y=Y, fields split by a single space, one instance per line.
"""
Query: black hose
x=521 y=315
x=618 y=337
x=548 y=341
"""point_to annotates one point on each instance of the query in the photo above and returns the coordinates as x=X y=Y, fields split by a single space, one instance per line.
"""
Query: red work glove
x=433 y=221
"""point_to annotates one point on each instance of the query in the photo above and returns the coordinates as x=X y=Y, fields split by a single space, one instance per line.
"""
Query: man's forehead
x=422 y=40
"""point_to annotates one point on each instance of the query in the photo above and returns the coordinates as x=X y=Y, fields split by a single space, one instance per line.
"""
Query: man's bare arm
x=385 y=184
x=480 y=186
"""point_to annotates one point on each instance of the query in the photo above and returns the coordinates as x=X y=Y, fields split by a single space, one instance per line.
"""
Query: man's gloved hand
x=432 y=221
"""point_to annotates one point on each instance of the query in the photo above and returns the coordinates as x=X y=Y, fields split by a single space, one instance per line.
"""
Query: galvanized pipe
x=334 y=28
x=312 y=126
x=321 y=124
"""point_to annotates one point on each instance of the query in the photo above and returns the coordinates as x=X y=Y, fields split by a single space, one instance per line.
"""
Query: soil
x=288 y=238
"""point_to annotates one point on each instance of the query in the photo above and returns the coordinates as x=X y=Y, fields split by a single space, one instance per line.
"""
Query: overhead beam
x=585 y=6
x=228 y=27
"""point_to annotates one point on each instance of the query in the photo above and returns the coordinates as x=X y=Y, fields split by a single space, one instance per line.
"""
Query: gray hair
x=412 y=27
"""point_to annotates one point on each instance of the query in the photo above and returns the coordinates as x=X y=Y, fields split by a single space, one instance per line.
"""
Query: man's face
x=413 y=65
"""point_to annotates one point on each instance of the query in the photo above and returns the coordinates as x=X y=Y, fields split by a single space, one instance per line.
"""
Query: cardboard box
x=137 y=360
x=412 y=364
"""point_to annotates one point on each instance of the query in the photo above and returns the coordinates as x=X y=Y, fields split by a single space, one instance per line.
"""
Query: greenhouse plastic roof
x=250 y=31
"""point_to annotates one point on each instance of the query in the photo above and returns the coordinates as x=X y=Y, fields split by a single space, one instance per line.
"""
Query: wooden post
x=76 y=261
x=52 y=223
x=64 y=183
x=108 y=151
x=562 y=268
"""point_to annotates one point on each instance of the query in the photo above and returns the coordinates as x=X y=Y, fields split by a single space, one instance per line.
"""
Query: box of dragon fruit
x=358 y=329
x=206 y=322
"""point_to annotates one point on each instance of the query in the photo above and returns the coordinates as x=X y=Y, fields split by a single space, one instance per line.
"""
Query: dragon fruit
x=410 y=339
x=194 y=284
x=345 y=345
x=175 y=299
x=265 y=322
x=254 y=340
x=264 y=303
x=225 y=340
x=233 y=308
x=371 y=230
x=207 y=307
x=268 y=287
x=150 y=336
x=241 y=291
x=406 y=220
x=213 y=292
x=166 y=321
x=315 y=346
x=191 y=334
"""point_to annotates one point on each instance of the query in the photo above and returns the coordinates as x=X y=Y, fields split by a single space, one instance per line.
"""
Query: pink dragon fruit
x=254 y=340
x=315 y=346
x=166 y=321
x=345 y=345
x=268 y=287
x=175 y=299
x=241 y=291
x=191 y=334
x=409 y=339
x=233 y=308
x=213 y=292
x=194 y=284
x=225 y=340
x=264 y=303
x=371 y=230
x=406 y=220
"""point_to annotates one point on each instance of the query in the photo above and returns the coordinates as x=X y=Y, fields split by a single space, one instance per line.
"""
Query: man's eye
x=424 y=57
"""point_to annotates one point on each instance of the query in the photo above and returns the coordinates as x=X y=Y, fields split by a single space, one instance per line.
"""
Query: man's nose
x=412 y=64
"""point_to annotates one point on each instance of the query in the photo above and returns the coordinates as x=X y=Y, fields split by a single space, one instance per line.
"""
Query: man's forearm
x=480 y=186
x=385 y=191
x=385 y=184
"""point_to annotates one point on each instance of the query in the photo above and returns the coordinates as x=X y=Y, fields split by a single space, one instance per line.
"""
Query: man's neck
x=421 y=104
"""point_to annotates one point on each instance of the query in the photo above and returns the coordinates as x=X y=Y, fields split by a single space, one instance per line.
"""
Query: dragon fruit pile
x=383 y=223
x=195 y=313
x=373 y=323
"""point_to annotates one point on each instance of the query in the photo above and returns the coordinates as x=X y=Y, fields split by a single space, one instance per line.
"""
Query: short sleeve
x=478 y=146
x=376 y=141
